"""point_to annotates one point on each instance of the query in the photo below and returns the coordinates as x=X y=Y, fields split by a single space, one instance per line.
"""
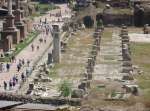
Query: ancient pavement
x=27 y=53
x=109 y=59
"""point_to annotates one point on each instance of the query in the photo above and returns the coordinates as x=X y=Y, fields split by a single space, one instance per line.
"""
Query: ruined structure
x=126 y=54
x=56 y=44
x=9 y=35
x=18 y=21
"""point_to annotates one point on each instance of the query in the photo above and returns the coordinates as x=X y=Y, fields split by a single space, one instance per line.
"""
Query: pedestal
x=29 y=25
x=10 y=29
x=6 y=43
x=15 y=34
x=22 y=30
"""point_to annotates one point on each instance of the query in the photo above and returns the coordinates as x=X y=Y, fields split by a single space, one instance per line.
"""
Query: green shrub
x=65 y=88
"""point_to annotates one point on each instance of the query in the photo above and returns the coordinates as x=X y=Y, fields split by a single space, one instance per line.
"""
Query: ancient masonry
x=14 y=29
x=9 y=35
x=126 y=53
x=18 y=21
x=56 y=44
x=85 y=82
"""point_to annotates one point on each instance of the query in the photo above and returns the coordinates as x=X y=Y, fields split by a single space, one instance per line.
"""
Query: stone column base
x=6 y=43
x=15 y=35
x=22 y=31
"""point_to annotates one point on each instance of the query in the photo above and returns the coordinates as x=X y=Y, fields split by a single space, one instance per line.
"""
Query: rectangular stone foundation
x=15 y=35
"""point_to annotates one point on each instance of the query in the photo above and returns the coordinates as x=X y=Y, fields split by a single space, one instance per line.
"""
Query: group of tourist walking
x=18 y=78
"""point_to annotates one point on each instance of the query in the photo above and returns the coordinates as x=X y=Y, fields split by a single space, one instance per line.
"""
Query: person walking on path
x=23 y=77
x=13 y=83
x=5 y=85
x=28 y=63
x=18 y=67
x=44 y=40
x=16 y=77
x=23 y=62
x=7 y=66
x=40 y=20
x=32 y=46
x=38 y=47
x=10 y=85
x=27 y=72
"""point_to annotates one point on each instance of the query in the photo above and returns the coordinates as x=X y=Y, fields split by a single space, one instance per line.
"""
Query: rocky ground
x=107 y=74
x=105 y=80
x=72 y=66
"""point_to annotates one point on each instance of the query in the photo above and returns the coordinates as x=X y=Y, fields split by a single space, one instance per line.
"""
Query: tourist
x=23 y=77
x=45 y=41
x=5 y=85
x=18 y=67
x=10 y=85
x=38 y=47
x=3 y=67
x=45 y=20
x=13 y=83
x=16 y=77
x=23 y=62
x=27 y=72
x=40 y=21
x=28 y=63
x=13 y=58
x=41 y=40
x=47 y=30
x=7 y=67
x=32 y=46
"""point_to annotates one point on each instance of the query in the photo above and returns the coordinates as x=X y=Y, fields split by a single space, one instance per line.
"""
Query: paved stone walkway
x=28 y=54
x=108 y=64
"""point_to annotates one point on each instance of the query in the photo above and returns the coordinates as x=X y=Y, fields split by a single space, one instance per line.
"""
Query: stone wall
x=46 y=100
x=117 y=19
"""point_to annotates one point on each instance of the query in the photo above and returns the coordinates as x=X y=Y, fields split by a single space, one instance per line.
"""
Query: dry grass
x=74 y=59
x=140 y=57
x=107 y=35
x=97 y=96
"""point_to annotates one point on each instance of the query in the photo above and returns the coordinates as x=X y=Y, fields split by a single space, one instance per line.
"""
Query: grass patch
x=53 y=71
x=107 y=35
x=19 y=47
x=140 y=57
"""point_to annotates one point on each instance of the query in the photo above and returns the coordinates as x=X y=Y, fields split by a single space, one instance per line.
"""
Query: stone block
x=22 y=29
x=77 y=93
x=6 y=43
x=14 y=33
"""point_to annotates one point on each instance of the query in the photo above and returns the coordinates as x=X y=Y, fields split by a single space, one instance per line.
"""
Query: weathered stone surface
x=77 y=93
x=56 y=44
